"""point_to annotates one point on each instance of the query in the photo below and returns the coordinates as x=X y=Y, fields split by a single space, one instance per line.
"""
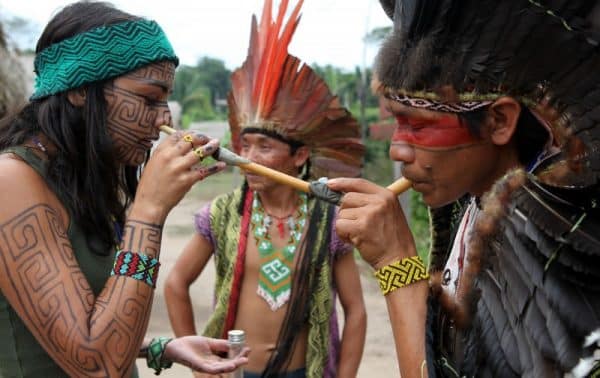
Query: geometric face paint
x=135 y=102
x=444 y=132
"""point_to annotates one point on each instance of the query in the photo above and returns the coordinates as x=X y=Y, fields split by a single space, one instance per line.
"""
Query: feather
x=275 y=91
x=530 y=316
x=578 y=305
x=530 y=310
x=501 y=341
x=558 y=220
x=568 y=349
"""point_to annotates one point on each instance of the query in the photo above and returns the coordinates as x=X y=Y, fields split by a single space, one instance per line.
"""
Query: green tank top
x=20 y=353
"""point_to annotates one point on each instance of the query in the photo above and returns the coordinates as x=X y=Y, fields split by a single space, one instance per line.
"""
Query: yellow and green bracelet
x=401 y=273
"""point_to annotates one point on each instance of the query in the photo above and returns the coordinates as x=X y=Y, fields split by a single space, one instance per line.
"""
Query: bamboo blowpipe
x=317 y=188
x=231 y=158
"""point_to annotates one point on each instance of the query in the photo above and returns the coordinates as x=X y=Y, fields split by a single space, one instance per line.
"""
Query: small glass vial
x=237 y=340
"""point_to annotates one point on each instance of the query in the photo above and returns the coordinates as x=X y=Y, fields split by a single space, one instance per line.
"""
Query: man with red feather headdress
x=280 y=265
x=498 y=127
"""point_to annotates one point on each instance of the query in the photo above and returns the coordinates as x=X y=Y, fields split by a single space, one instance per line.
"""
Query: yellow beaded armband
x=401 y=273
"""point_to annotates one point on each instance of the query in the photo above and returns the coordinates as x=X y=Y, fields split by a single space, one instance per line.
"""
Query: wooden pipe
x=399 y=186
x=232 y=158
x=274 y=175
x=223 y=154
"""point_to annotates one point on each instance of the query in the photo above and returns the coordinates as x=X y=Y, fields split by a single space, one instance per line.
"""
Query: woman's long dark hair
x=83 y=172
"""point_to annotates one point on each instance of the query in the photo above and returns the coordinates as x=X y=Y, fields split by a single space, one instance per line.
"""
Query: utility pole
x=363 y=85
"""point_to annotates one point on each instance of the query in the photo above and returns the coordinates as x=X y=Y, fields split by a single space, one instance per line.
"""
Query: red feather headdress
x=275 y=91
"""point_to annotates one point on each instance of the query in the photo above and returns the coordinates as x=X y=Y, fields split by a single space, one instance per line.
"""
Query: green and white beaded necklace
x=275 y=276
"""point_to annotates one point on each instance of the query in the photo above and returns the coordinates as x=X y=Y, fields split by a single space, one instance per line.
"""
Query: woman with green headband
x=80 y=222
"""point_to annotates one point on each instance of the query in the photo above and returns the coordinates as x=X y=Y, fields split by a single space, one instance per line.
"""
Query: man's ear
x=77 y=97
x=503 y=118
x=301 y=156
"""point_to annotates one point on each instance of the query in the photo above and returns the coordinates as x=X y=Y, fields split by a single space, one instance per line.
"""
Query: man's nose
x=251 y=153
x=402 y=151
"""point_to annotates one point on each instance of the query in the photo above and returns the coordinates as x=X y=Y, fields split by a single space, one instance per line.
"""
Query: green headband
x=99 y=54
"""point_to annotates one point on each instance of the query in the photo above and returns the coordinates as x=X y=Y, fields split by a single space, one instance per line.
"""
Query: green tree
x=213 y=74
x=197 y=107
x=199 y=88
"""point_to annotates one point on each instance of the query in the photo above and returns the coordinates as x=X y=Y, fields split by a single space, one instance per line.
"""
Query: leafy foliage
x=201 y=90
x=378 y=166
x=419 y=225
x=347 y=85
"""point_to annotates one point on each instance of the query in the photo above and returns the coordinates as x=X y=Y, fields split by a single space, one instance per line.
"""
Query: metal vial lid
x=236 y=336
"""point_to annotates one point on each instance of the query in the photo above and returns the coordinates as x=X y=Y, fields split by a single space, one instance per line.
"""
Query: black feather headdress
x=460 y=53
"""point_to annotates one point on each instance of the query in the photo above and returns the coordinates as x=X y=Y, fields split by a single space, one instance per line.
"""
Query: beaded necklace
x=39 y=144
x=274 y=280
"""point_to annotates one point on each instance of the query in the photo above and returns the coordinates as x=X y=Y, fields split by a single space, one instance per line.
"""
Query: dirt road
x=379 y=357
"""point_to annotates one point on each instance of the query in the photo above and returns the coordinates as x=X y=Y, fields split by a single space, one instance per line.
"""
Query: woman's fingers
x=199 y=173
x=181 y=161
x=218 y=345
x=181 y=143
x=199 y=153
x=218 y=366
x=173 y=169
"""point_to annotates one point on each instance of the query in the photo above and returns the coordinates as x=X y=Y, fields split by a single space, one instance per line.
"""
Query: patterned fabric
x=439 y=106
x=401 y=273
x=454 y=268
x=137 y=266
x=99 y=54
x=155 y=354
x=224 y=224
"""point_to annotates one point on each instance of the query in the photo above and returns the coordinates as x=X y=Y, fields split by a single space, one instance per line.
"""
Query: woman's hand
x=170 y=173
x=197 y=374
x=370 y=217
x=200 y=354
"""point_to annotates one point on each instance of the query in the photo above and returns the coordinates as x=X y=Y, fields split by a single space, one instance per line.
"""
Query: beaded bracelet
x=401 y=273
x=155 y=354
x=136 y=265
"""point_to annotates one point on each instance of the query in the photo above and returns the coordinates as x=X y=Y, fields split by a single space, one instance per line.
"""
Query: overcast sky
x=330 y=31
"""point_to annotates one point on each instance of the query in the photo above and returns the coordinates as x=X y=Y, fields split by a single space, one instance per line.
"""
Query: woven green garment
x=21 y=356
x=225 y=226
x=99 y=54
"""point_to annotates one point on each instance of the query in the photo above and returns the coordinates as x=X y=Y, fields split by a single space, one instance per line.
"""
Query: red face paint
x=444 y=132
